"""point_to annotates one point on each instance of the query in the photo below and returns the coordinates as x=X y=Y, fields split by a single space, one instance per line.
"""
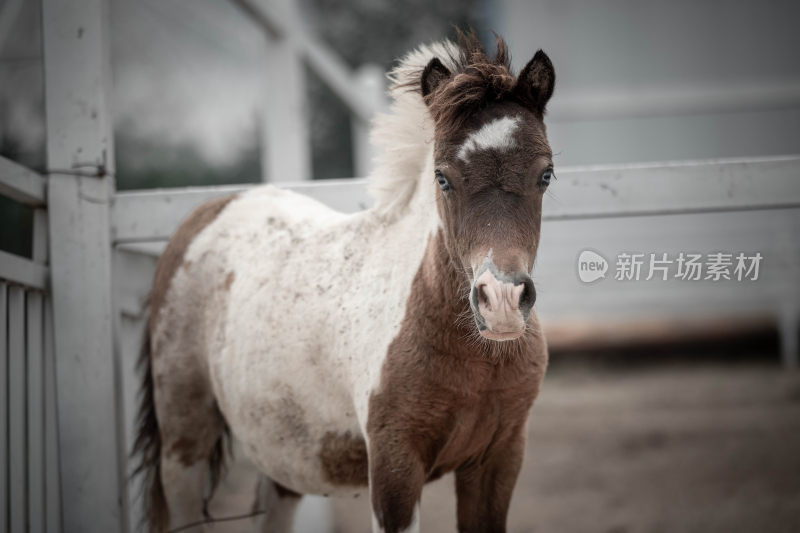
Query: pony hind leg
x=193 y=434
x=277 y=506
x=180 y=440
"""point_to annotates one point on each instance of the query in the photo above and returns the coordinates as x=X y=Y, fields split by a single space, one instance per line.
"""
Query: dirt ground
x=672 y=447
x=675 y=447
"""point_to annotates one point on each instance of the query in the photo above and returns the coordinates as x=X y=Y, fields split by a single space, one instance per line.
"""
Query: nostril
x=528 y=296
x=483 y=297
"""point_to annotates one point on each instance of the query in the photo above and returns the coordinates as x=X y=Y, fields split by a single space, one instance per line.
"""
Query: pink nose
x=502 y=306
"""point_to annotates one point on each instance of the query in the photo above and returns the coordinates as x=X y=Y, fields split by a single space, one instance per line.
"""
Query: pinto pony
x=368 y=352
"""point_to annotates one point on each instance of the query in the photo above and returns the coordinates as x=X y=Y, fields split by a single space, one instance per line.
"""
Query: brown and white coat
x=373 y=351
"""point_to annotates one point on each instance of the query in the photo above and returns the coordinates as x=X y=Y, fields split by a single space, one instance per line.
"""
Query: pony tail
x=147 y=447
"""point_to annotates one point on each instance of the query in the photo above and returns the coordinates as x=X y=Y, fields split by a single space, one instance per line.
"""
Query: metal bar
x=3 y=406
x=336 y=75
x=578 y=193
x=671 y=101
x=17 y=438
x=77 y=82
x=155 y=215
x=23 y=271
x=270 y=27
x=35 y=412
x=22 y=184
x=673 y=188
x=285 y=142
x=128 y=223
x=327 y=65
x=52 y=471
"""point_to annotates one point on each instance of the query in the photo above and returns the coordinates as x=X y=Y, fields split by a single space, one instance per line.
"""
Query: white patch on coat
x=497 y=134
x=294 y=346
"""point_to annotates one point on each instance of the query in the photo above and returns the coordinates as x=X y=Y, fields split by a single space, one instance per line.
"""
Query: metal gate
x=29 y=484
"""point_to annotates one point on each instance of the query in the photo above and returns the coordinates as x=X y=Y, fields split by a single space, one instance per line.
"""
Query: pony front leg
x=396 y=477
x=484 y=490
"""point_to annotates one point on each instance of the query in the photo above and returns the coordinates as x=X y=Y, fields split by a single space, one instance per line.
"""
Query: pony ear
x=433 y=75
x=536 y=82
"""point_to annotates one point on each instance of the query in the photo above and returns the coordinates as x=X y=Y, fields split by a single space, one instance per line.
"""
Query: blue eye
x=442 y=180
x=546 y=176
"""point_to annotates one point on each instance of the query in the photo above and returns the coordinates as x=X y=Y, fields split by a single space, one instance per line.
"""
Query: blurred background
x=667 y=406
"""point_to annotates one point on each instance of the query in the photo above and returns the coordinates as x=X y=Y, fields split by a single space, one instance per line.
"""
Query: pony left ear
x=433 y=75
x=536 y=82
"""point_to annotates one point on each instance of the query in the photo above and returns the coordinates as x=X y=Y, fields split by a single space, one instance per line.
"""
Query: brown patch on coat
x=448 y=401
x=185 y=448
x=344 y=459
x=172 y=258
x=229 y=280
x=289 y=415
x=195 y=426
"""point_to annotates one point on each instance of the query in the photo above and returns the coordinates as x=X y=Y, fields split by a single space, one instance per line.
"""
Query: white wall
x=656 y=80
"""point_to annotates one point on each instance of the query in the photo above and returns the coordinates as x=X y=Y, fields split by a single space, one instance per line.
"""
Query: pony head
x=492 y=165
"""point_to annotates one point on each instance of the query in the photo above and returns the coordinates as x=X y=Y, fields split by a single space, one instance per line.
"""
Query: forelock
x=476 y=81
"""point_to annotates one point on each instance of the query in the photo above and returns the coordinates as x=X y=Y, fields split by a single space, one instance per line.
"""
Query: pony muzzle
x=502 y=304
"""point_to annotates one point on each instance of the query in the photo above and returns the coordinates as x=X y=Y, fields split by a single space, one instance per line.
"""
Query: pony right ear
x=536 y=81
x=433 y=75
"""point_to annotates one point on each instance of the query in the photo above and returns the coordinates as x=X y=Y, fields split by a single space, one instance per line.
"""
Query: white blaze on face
x=497 y=134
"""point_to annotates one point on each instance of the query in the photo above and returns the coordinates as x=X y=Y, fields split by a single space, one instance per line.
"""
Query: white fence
x=702 y=206
x=749 y=205
x=735 y=205
x=70 y=317
x=29 y=469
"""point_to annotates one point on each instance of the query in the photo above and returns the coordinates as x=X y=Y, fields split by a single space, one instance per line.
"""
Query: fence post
x=81 y=167
x=286 y=144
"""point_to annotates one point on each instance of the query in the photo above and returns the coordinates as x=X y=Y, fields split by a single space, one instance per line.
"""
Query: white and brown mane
x=374 y=351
